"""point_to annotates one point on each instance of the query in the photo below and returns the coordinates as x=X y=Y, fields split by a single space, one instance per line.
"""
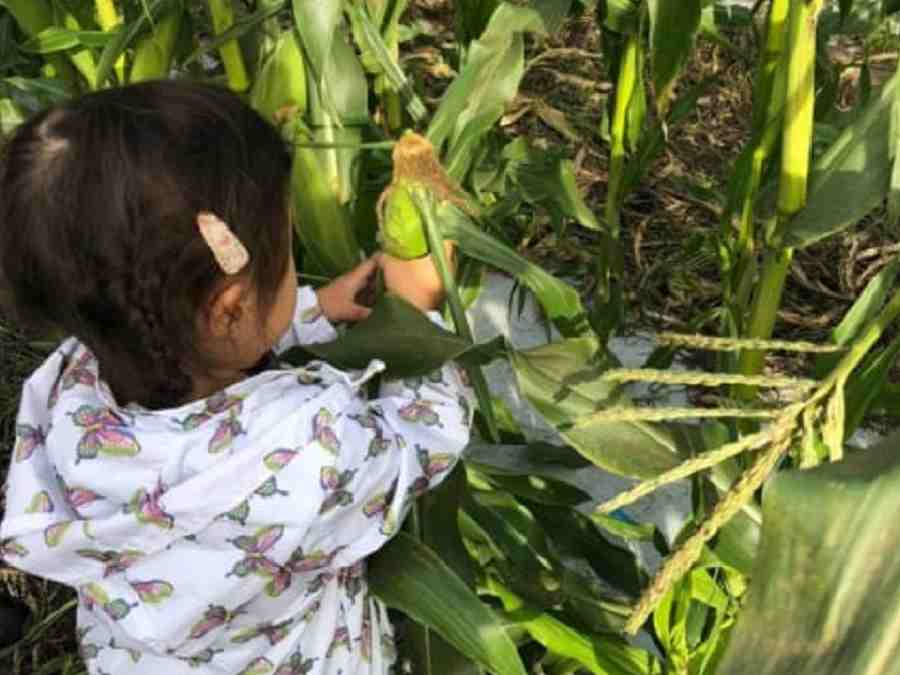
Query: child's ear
x=226 y=308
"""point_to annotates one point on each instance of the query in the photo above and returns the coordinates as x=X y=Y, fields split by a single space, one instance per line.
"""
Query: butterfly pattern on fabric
x=215 y=405
x=79 y=371
x=113 y=561
x=146 y=507
x=105 y=432
x=307 y=501
x=28 y=439
x=334 y=483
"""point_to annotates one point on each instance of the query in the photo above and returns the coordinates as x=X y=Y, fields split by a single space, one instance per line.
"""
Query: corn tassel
x=153 y=54
x=222 y=14
x=796 y=145
x=108 y=19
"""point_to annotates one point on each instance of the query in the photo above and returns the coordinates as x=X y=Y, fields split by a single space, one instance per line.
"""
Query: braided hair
x=98 y=236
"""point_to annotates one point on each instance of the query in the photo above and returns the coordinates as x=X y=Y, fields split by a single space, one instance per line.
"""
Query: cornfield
x=785 y=564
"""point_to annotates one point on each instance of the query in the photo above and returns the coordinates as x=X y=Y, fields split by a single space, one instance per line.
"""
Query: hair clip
x=226 y=248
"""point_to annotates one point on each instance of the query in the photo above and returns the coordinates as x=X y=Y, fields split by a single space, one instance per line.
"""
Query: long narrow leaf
x=411 y=577
x=673 y=29
x=851 y=178
x=824 y=592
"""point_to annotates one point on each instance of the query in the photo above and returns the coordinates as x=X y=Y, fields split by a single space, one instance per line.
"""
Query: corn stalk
x=222 y=14
x=797 y=134
x=768 y=99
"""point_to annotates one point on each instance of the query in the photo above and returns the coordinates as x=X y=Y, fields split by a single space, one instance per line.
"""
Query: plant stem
x=222 y=14
x=796 y=145
x=425 y=203
x=625 y=86
x=765 y=312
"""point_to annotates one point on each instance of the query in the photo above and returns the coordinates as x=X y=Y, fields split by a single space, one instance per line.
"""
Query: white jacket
x=227 y=536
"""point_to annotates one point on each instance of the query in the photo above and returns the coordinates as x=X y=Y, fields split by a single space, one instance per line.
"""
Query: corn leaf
x=601 y=656
x=823 y=596
x=397 y=333
x=241 y=27
x=126 y=34
x=56 y=39
x=154 y=52
x=281 y=82
x=673 y=29
x=472 y=17
x=563 y=382
x=546 y=179
x=488 y=82
x=409 y=576
x=851 y=178
x=559 y=301
x=373 y=46
x=439 y=525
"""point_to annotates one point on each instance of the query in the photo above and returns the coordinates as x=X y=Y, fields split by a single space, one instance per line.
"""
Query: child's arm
x=388 y=452
x=393 y=449
x=335 y=302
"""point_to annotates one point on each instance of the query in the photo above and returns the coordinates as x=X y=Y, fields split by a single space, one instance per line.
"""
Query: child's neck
x=207 y=384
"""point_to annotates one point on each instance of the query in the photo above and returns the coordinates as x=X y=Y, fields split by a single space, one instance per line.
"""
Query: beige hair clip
x=226 y=248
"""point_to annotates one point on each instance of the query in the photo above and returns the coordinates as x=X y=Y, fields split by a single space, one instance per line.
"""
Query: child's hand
x=416 y=281
x=338 y=299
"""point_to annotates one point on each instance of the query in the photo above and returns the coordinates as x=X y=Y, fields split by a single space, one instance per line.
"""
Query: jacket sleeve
x=388 y=451
x=309 y=325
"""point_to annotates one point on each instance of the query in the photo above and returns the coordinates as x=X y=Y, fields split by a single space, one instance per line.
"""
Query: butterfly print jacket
x=227 y=536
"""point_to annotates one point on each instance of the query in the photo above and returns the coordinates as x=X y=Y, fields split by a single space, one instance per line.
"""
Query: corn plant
x=504 y=568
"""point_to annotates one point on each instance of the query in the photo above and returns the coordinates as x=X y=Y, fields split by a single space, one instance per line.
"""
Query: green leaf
x=673 y=29
x=559 y=301
x=488 y=82
x=471 y=17
x=893 y=202
x=126 y=34
x=563 y=382
x=574 y=534
x=409 y=576
x=619 y=16
x=861 y=313
x=851 y=178
x=548 y=180
x=397 y=333
x=317 y=23
x=241 y=27
x=526 y=561
x=374 y=46
x=10 y=116
x=524 y=472
x=866 y=384
x=56 y=39
x=602 y=656
x=823 y=596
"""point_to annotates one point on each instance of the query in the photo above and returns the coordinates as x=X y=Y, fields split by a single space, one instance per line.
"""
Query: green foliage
x=822 y=597
x=505 y=569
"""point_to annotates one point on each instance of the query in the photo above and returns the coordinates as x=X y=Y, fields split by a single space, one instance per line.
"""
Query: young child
x=213 y=512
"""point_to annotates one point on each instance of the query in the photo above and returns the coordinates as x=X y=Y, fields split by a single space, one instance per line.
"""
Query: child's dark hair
x=98 y=223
